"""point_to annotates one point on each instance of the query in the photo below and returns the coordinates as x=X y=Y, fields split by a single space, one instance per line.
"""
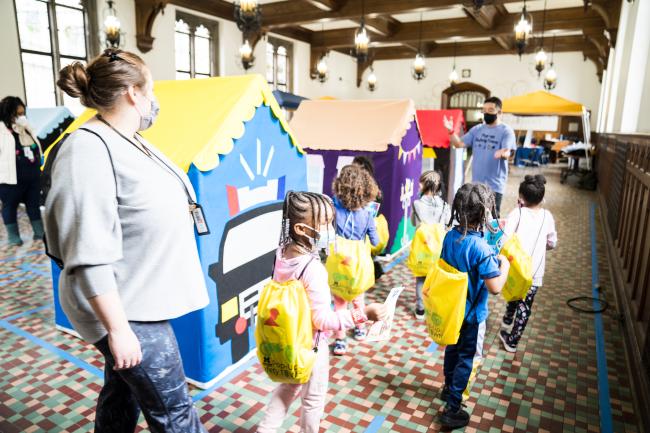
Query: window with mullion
x=278 y=64
x=49 y=31
x=195 y=47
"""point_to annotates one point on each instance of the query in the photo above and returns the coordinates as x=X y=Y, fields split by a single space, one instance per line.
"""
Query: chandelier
x=419 y=69
x=550 y=79
x=453 y=75
x=540 y=57
x=523 y=30
x=248 y=16
x=322 y=70
x=361 y=39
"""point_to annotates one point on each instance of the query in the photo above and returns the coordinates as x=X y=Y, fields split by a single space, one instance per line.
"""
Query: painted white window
x=279 y=54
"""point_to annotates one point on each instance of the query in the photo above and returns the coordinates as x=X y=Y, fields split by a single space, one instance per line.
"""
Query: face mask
x=326 y=236
x=146 y=120
x=489 y=118
x=21 y=121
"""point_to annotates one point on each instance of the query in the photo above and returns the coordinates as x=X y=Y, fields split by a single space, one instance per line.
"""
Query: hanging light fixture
x=361 y=39
x=246 y=55
x=453 y=75
x=523 y=30
x=372 y=80
x=419 y=69
x=112 y=34
x=540 y=57
x=550 y=79
x=322 y=71
x=248 y=16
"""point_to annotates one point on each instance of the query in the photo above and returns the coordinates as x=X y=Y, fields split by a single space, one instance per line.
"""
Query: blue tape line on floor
x=395 y=262
x=11 y=259
x=25 y=313
x=53 y=349
x=236 y=372
x=33 y=270
x=603 y=383
x=375 y=424
x=432 y=348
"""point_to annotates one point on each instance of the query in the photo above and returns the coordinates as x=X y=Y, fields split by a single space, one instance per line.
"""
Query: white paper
x=380 y=331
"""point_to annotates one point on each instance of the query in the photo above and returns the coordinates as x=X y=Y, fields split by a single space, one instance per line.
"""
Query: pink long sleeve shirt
x=314 y=278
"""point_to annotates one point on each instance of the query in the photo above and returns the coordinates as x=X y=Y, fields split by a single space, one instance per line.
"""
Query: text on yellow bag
x=445 y=297
x=425 y=248
x=284 y=334
x=349 y=268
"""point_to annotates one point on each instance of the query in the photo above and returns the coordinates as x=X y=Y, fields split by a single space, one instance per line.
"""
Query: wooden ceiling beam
x=569 y=19
x=384 y=26
x=486 y=17
x=326 y=5
x=218 y=8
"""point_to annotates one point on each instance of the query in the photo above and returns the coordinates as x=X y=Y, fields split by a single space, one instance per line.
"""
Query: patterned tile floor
x=49 y=380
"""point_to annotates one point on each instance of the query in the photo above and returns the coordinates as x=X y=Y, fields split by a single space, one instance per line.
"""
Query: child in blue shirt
x=466 y=249
x=353 y=190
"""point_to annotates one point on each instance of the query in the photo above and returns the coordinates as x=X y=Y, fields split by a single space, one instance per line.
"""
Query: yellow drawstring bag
x=384 y=235
x=284 y=335
x=445 y=295
x=425 y=248
x=349 y=268
x=520 y=276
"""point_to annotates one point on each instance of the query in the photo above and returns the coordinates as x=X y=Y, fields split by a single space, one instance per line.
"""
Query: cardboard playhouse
x=229 y=135
x=333 y=132
x=438 y=153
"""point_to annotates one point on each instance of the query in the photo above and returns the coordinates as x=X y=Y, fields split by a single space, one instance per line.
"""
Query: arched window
x=278 y=64
x=468 y=97
x=52 y=35
x=195 y=47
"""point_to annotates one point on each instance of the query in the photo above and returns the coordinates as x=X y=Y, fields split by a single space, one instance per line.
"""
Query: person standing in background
x=20 y=169
x=492 y=143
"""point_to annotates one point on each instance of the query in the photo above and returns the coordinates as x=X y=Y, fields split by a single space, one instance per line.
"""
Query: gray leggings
x=156 y=386
x=419 y=282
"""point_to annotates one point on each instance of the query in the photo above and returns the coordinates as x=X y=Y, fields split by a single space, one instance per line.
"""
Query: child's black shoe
x=453 y=420
x=504 y=336
x=444 y=393
x=419 y=313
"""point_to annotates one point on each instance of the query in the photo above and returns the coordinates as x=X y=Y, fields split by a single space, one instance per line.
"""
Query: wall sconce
x=246 y=55
x=111 y=33
x=372 y=80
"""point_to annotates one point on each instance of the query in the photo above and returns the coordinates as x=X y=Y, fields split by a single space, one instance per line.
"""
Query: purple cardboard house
x=333 y=132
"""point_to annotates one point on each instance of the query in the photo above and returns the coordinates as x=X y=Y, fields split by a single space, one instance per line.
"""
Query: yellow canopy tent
x=542 y=103
x=199 y=119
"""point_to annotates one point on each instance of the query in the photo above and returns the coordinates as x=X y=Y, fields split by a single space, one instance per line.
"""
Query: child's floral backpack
x=283 y=332
x=350 y=269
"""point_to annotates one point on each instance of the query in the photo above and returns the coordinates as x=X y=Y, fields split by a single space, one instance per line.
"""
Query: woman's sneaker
x=360 y=334
x=453 y=420
x=419 y=313
x=503 y=336
x=340 y=347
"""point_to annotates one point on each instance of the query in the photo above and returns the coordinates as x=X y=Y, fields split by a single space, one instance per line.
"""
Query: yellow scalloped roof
x=199 y=119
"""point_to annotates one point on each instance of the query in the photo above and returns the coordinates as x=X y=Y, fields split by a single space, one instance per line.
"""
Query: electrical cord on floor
x=604 y=305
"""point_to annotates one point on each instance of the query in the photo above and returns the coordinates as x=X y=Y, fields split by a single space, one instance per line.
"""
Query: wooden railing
x=624 y=186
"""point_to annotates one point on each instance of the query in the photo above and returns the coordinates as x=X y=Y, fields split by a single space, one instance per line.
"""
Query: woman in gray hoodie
x=118 y=216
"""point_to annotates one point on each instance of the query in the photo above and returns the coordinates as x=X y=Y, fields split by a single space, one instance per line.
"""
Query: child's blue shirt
x=473 y=255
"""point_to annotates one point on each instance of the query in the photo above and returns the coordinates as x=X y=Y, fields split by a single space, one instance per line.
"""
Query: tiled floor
x=49 y=380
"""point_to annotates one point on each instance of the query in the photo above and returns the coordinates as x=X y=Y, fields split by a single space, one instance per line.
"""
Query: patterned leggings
x=519 y=311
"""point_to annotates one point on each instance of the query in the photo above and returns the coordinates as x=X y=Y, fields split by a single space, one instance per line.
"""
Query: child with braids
x=465 y=249
x=430 y=208
x=353 y=190
x=535 y=227
x=306 y=228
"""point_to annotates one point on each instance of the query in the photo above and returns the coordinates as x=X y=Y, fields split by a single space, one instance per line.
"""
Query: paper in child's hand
x=380 y=331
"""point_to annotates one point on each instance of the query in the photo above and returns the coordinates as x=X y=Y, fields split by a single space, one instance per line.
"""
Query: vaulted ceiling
x=587 y=26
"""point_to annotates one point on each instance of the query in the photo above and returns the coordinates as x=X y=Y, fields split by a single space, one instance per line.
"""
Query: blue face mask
x=147 y=120
x=324 y=237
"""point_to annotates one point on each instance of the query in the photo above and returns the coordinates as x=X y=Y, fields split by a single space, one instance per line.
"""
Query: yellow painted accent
x=429 y=153
x=229 y=310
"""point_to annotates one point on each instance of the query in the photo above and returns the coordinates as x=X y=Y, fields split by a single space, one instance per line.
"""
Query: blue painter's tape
x=375 y=424
x=26 y=313
x=53 y=349
x=603 y=382
x=432 y=348
x=201 y=395
x=33 y=270
x=395 y=262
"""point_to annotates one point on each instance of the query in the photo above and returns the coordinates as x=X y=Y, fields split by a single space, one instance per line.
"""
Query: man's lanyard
x=196 y=210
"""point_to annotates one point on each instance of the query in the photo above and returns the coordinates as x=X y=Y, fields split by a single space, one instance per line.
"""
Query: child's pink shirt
x=314 y=278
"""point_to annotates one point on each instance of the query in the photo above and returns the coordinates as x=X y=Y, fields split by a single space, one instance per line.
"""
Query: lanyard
x=153 y=157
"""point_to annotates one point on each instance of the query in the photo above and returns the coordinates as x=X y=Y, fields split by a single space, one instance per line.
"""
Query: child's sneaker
x=503 y=335
x=340 y=347
x=419 y=313
x=360 y=334
x=453 y=420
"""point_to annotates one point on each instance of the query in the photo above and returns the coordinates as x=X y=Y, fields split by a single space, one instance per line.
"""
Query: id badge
x=199 y=220
x=29 y=154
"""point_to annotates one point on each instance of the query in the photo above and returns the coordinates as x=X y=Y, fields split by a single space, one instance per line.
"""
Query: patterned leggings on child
x=519 y=312
x=342 y=304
